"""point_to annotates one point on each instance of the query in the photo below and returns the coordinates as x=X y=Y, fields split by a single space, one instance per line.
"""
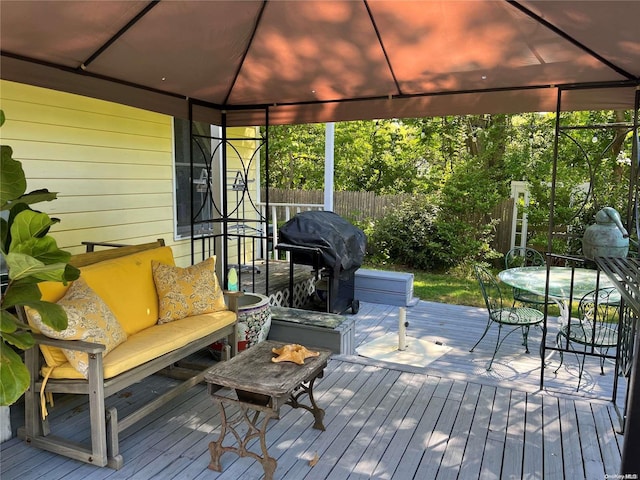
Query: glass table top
x=533 y=279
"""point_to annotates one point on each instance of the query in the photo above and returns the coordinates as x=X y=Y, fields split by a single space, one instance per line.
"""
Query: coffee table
x=261 y=387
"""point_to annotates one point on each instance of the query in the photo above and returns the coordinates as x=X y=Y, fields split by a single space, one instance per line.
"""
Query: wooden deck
x=452 y=419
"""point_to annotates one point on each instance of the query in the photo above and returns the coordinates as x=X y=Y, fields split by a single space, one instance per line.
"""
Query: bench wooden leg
x=115 y=460
x=36 y=431
x=97 y=413
x=33 y=425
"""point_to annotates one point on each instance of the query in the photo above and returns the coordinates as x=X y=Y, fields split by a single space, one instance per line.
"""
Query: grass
x=453 y=289
x=441 y=287
x=447 y=288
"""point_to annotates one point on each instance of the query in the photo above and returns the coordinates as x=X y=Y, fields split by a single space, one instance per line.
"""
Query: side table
x=261 y=386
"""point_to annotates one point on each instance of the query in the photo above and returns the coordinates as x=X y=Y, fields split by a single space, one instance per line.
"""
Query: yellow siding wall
x=112 y=165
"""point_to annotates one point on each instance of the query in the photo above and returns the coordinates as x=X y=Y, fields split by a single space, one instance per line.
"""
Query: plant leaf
x=28 y=224
x=16 y=208
x=71 y=273
x=37 y=196
x=22 y=340
x=4 y=233
x=44 y=249
x=14 y=376
x=20 y=296
x=12 y=181
x=7 y=322
x=52 y=314
x=22 y=266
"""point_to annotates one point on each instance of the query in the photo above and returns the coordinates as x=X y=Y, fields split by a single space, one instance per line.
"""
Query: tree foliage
x=461 y=168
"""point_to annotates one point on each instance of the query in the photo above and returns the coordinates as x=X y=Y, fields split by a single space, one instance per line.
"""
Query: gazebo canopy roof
x=316 y=60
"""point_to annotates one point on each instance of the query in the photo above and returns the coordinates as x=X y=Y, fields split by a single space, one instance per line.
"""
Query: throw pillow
x=89 y=319
x=183 y=292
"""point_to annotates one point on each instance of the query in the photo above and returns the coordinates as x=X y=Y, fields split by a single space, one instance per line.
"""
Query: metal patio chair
x=517 y=317
x=526 y=257
x=595 y=328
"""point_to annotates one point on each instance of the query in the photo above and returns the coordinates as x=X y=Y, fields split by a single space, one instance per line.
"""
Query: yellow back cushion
x=125 y=284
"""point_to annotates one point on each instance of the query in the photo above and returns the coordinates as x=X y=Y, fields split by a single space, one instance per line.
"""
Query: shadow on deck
x=452 y=419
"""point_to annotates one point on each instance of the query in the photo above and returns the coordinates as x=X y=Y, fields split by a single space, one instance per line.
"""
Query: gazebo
x=261 y=62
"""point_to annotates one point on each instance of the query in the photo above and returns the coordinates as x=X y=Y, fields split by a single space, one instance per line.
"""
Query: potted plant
x=31 y=256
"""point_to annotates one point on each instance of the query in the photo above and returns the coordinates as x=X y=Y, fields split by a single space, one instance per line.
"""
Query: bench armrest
x=78 y=345
x=232 y=299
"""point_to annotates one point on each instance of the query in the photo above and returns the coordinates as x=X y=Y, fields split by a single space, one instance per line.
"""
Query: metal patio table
x=261 y=387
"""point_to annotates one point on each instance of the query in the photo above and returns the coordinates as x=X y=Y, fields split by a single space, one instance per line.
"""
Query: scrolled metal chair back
x=489 y=288
x=523 y=257
x=599 y=308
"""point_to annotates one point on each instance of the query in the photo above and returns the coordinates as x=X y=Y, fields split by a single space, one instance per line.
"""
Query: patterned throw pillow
x=89 y=319
x=183 y=292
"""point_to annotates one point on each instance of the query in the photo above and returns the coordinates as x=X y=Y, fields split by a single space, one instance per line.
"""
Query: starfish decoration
x=292 y=353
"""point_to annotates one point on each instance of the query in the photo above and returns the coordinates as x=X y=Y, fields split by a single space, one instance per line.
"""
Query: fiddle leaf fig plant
x=30 y=256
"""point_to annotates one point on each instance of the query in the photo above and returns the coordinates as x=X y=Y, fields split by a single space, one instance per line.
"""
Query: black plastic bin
x=333 y=247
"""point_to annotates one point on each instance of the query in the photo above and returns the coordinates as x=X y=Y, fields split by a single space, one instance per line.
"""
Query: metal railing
x=280 y=213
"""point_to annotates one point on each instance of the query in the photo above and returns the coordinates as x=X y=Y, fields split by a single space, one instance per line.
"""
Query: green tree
x=383 y=156
x=296 y=157
x=466 y=163
x=593 y=171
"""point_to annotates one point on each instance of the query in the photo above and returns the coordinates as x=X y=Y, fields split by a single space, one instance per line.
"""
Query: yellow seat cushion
x=183 y=292
x=89 y=319
x=154 y=342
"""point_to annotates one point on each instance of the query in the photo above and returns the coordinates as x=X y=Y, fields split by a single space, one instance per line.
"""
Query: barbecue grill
x=333 y=247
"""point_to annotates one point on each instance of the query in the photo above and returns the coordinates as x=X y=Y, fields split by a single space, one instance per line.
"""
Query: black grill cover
x=342 y=244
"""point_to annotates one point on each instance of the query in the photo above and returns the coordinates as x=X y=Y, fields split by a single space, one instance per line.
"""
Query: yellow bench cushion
x=125 y=284
x=152 y=343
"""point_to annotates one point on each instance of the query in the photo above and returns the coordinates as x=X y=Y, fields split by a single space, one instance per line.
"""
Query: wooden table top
x=253 y=371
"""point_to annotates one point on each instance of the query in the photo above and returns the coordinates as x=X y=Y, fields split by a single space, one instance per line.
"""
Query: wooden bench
x=104 y=422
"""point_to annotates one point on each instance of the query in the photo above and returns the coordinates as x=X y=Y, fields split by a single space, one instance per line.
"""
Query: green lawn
x=446 y=288
x=453 y=289
x=441 y=287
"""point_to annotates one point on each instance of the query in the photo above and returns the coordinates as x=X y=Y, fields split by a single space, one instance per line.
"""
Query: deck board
x=404 y=433
x=571 y=451
x=450 y=420
x=533 y=439
x=492 y=457
x=457 y=440
x=374 y=452
x=591 y=457
x=605 y=435
x=439 y=437
x=472 y=460
x=514 y=443
x=552 y=446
